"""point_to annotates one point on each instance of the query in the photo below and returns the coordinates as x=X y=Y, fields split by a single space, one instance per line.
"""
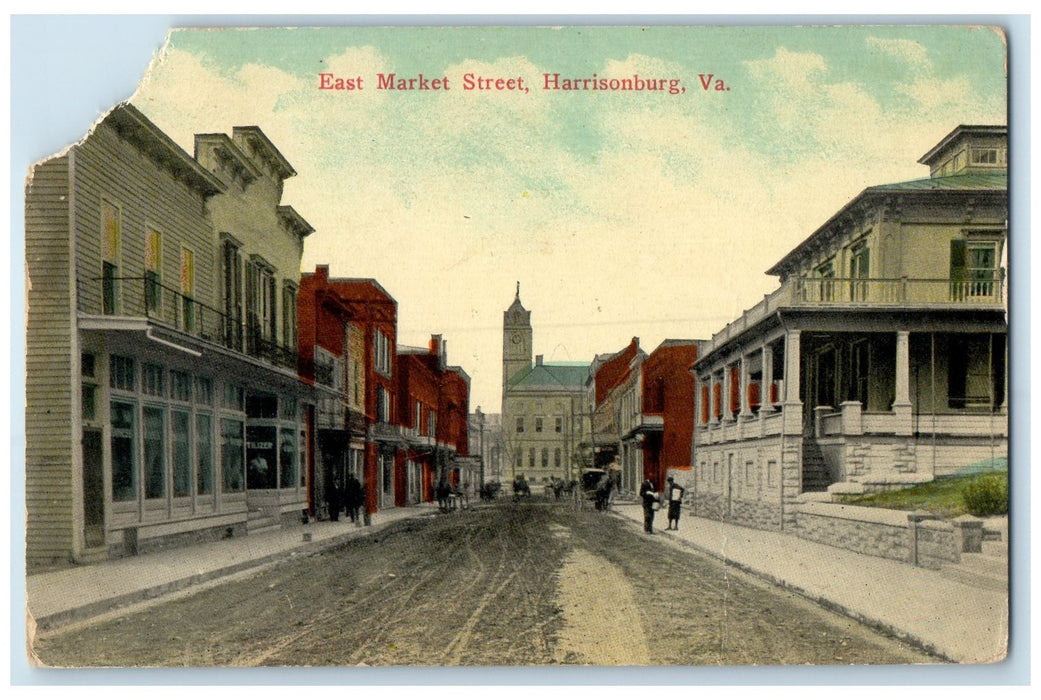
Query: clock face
x=515 y=338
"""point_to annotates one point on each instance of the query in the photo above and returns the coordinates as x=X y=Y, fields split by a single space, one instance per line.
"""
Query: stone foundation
x=133 y=544
x=914 y=538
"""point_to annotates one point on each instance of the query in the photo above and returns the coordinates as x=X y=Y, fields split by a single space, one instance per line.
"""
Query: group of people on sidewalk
x=652 y=501
x=350 y=498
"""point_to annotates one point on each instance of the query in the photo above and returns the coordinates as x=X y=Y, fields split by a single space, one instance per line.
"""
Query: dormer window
x=988 y=156
x=967 y=147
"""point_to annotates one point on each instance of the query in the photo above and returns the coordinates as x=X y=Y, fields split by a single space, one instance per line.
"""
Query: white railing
x=903 y=290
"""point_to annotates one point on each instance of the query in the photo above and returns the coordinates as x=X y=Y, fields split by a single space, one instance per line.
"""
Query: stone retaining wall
x=916 y=538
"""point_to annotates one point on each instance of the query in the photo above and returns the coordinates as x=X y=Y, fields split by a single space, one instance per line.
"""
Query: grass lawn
x=942 y=497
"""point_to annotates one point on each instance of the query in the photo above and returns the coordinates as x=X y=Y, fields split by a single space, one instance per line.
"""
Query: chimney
x=435 y=344
x=538 y=360
x=321 y=272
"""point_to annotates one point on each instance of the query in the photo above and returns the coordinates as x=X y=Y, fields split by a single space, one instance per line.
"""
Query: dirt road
x=530 y=583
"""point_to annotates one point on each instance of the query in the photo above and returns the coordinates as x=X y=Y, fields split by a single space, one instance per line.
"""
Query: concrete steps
x=815 y=476
x=987 y=569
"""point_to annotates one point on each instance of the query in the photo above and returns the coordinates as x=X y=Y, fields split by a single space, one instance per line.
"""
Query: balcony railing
x=833 y=290
x=167 y=306
x=983 y=290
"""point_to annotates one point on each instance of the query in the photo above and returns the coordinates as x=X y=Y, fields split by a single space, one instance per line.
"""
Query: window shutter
x=735 y=390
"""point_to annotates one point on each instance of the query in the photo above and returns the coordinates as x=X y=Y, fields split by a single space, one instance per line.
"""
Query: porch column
x=768 y=377
x=792 y=405
x=902 y=396
x=791 y=367
x=746 y=410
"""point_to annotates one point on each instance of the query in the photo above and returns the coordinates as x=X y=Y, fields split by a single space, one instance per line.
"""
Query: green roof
x=567 y=374
x=969 y=181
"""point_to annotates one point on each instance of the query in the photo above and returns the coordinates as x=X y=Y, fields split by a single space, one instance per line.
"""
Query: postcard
x=526 y=346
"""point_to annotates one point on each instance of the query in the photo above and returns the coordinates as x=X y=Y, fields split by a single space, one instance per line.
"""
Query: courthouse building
x=162 y=399
x=544 y=419
x=880 y=361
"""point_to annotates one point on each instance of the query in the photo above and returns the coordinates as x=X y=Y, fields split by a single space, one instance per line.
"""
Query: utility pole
x=480 y=426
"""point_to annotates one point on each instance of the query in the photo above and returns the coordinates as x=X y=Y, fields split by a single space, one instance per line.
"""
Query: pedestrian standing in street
x=650 y=504
x=675 y=494
x=443 y=491
x=335 y=501
x=603 y=492
x=353 y=498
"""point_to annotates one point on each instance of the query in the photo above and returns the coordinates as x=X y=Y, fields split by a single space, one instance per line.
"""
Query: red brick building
x=454 y=428
x=350 y=325
x=609 y=377
x=394 y=416
x=434 y=404
x=666 y=417
x=419 y=402
x=643 y=415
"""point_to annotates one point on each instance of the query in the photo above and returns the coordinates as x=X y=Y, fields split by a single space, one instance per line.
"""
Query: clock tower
x=516 y=340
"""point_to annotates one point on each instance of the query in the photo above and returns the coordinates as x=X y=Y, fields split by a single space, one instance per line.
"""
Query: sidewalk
x=56 y=598
x=962 y=622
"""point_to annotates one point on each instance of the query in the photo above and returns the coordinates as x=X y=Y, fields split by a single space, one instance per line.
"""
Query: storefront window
x=261 y=406
x=288 y=457
x=155 y=462
x=204 y=454
x=121 y=373
x=261 y=457
x=233 y=463
x=288 y=407
x=203 y=391
x=180 y=436
x=234 y=397
x=180 y=386
x=124 y=467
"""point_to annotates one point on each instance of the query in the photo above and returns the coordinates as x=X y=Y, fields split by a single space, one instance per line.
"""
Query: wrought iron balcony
x=147 y=297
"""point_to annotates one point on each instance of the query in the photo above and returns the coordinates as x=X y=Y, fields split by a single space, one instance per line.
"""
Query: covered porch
x=877 y=401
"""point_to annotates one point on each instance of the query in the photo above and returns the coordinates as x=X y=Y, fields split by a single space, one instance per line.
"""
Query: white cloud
x=907 y=50
x=660 y=226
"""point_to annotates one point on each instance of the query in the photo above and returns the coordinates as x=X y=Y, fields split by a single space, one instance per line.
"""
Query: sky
x=621 y=213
